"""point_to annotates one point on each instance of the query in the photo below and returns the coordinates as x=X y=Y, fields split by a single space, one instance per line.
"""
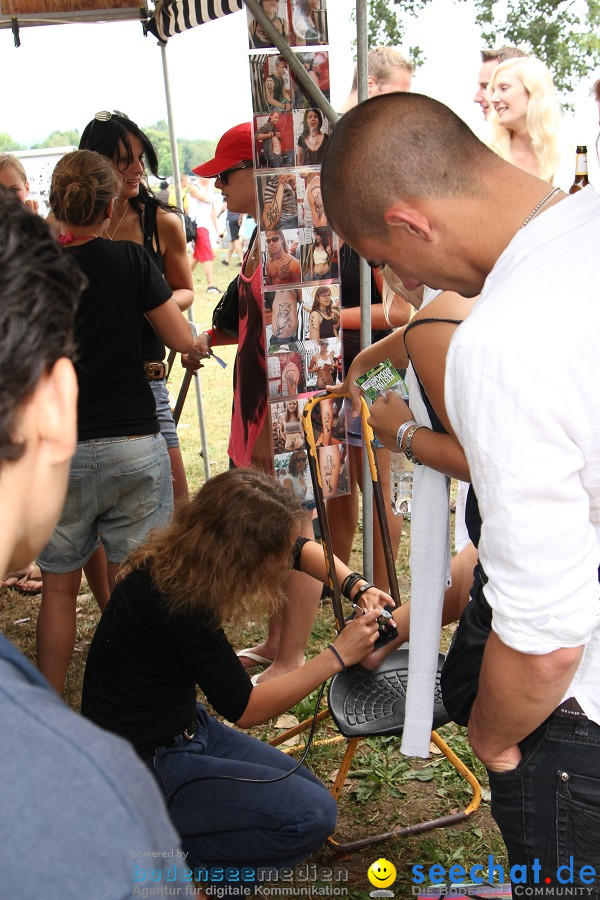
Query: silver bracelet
x=402 y=431
x=407 y=450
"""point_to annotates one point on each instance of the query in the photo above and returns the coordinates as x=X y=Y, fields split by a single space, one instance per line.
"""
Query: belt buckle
x=155 y=369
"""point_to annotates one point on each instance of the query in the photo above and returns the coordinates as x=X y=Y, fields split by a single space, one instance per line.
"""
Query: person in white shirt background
x=474 y=224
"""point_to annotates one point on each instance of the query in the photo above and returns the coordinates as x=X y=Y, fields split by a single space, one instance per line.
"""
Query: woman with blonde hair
x=525 y=120
x=223 y=558
x=120 y=480
x=13 y=176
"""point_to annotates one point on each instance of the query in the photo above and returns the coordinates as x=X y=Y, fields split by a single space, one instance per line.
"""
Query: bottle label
x=581 y=167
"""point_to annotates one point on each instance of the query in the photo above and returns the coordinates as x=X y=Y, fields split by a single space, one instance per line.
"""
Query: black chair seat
x=364 y=702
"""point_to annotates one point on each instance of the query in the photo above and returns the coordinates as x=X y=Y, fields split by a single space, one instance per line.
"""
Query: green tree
x=8 y=143
x=565 y=34
x=191 y=152
x=59 y=139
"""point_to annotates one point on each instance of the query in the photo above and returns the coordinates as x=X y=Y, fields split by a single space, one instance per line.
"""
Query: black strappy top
x=472 y=515
x=153 y=349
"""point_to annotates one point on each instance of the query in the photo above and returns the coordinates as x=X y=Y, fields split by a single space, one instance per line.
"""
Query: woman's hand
x=356 y=640
x=388 y=413
x=373 y=599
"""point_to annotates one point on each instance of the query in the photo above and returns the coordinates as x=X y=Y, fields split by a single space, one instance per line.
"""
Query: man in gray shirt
x=80 y=815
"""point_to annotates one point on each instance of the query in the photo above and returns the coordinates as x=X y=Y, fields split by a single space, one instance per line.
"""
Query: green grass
x=386 y=789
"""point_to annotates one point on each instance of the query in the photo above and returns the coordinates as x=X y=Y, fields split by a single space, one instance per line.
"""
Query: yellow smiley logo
x=381 y=873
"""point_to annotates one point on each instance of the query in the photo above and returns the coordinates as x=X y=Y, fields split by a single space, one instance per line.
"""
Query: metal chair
x=371 y=703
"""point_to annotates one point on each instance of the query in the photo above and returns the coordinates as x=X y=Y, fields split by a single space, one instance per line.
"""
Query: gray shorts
x=119 y=489
x=166 y=422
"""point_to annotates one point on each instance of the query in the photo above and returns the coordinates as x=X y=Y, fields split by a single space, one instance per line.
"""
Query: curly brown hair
x=226 y=550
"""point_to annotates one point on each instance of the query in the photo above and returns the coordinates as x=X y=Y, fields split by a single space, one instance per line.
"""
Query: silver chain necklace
x=111 y=236
x=537 y=209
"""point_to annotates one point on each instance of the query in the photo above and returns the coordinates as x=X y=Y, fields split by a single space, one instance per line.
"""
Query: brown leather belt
x=155 y=371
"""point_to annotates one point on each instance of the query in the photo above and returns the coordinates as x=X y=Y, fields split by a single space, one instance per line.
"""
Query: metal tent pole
x=365 y=295
x=179 y=200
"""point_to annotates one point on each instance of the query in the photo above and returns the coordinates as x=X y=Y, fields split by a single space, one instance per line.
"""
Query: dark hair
x=398 y=144
x=227 y=549
x=83 y=184
x=325 y=233
x=298 y=456
x=281 y=236
x=39 y=286
x=105 y=136
x=323 y=289
x=319 y=115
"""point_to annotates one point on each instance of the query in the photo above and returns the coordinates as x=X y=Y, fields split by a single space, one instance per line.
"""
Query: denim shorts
x=119 y=489
x=166 y=422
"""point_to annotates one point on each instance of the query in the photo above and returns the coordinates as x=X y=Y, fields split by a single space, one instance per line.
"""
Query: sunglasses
x=272 y=240
x=105 y=116
x=224 y=176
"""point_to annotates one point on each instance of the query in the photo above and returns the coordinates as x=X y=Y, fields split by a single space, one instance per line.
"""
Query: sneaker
x=224 y=262
x=213 y=289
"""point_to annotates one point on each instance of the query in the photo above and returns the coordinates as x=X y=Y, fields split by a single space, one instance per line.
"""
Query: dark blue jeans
x=548 y=808
x=231 y=822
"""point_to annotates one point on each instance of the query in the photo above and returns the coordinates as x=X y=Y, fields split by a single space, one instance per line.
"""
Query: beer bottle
x=581 y=176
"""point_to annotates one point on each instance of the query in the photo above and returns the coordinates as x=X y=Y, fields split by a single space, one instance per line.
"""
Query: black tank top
x=153 y=349
x=472 y=516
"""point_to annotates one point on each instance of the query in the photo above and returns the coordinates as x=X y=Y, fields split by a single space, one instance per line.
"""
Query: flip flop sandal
x=22 y=579
x=257 y=660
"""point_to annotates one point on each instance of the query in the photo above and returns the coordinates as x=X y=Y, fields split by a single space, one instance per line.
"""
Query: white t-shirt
x=523 y=395
x=201 y=210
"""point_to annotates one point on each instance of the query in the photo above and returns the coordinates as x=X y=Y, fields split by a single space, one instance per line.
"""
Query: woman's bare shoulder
x=447 y=305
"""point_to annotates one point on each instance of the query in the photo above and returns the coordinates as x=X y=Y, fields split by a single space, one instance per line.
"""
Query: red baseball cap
x=233 y=147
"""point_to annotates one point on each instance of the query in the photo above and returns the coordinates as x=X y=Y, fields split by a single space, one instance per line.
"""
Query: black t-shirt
x=143 y=666
x=123 y=283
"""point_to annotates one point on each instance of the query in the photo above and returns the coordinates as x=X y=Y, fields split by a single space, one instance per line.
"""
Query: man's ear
x=371 y=86
x=404 y=216
x=54 y=411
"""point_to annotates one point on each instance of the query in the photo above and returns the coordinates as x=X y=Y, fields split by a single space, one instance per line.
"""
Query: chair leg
x=298 y=729
x=418 y=827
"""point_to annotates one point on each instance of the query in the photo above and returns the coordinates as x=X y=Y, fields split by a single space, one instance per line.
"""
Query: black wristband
x=361 y=591
x=349 y=582
x=336 y=654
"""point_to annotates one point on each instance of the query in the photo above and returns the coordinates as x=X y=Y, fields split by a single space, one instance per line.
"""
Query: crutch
x=362 y=703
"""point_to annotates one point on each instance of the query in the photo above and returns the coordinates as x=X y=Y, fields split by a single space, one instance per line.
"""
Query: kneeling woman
x=223 y=557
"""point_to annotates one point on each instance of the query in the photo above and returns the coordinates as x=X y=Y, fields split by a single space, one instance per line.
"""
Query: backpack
x=190 y=229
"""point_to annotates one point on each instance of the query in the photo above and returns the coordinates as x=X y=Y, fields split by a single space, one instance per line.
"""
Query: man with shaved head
x=406 y=183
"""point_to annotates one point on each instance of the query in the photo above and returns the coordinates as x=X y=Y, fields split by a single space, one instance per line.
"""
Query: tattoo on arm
x=272 y=212
x=318 y=202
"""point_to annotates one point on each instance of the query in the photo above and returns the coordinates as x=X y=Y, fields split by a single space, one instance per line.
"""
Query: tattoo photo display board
x=298 y=248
